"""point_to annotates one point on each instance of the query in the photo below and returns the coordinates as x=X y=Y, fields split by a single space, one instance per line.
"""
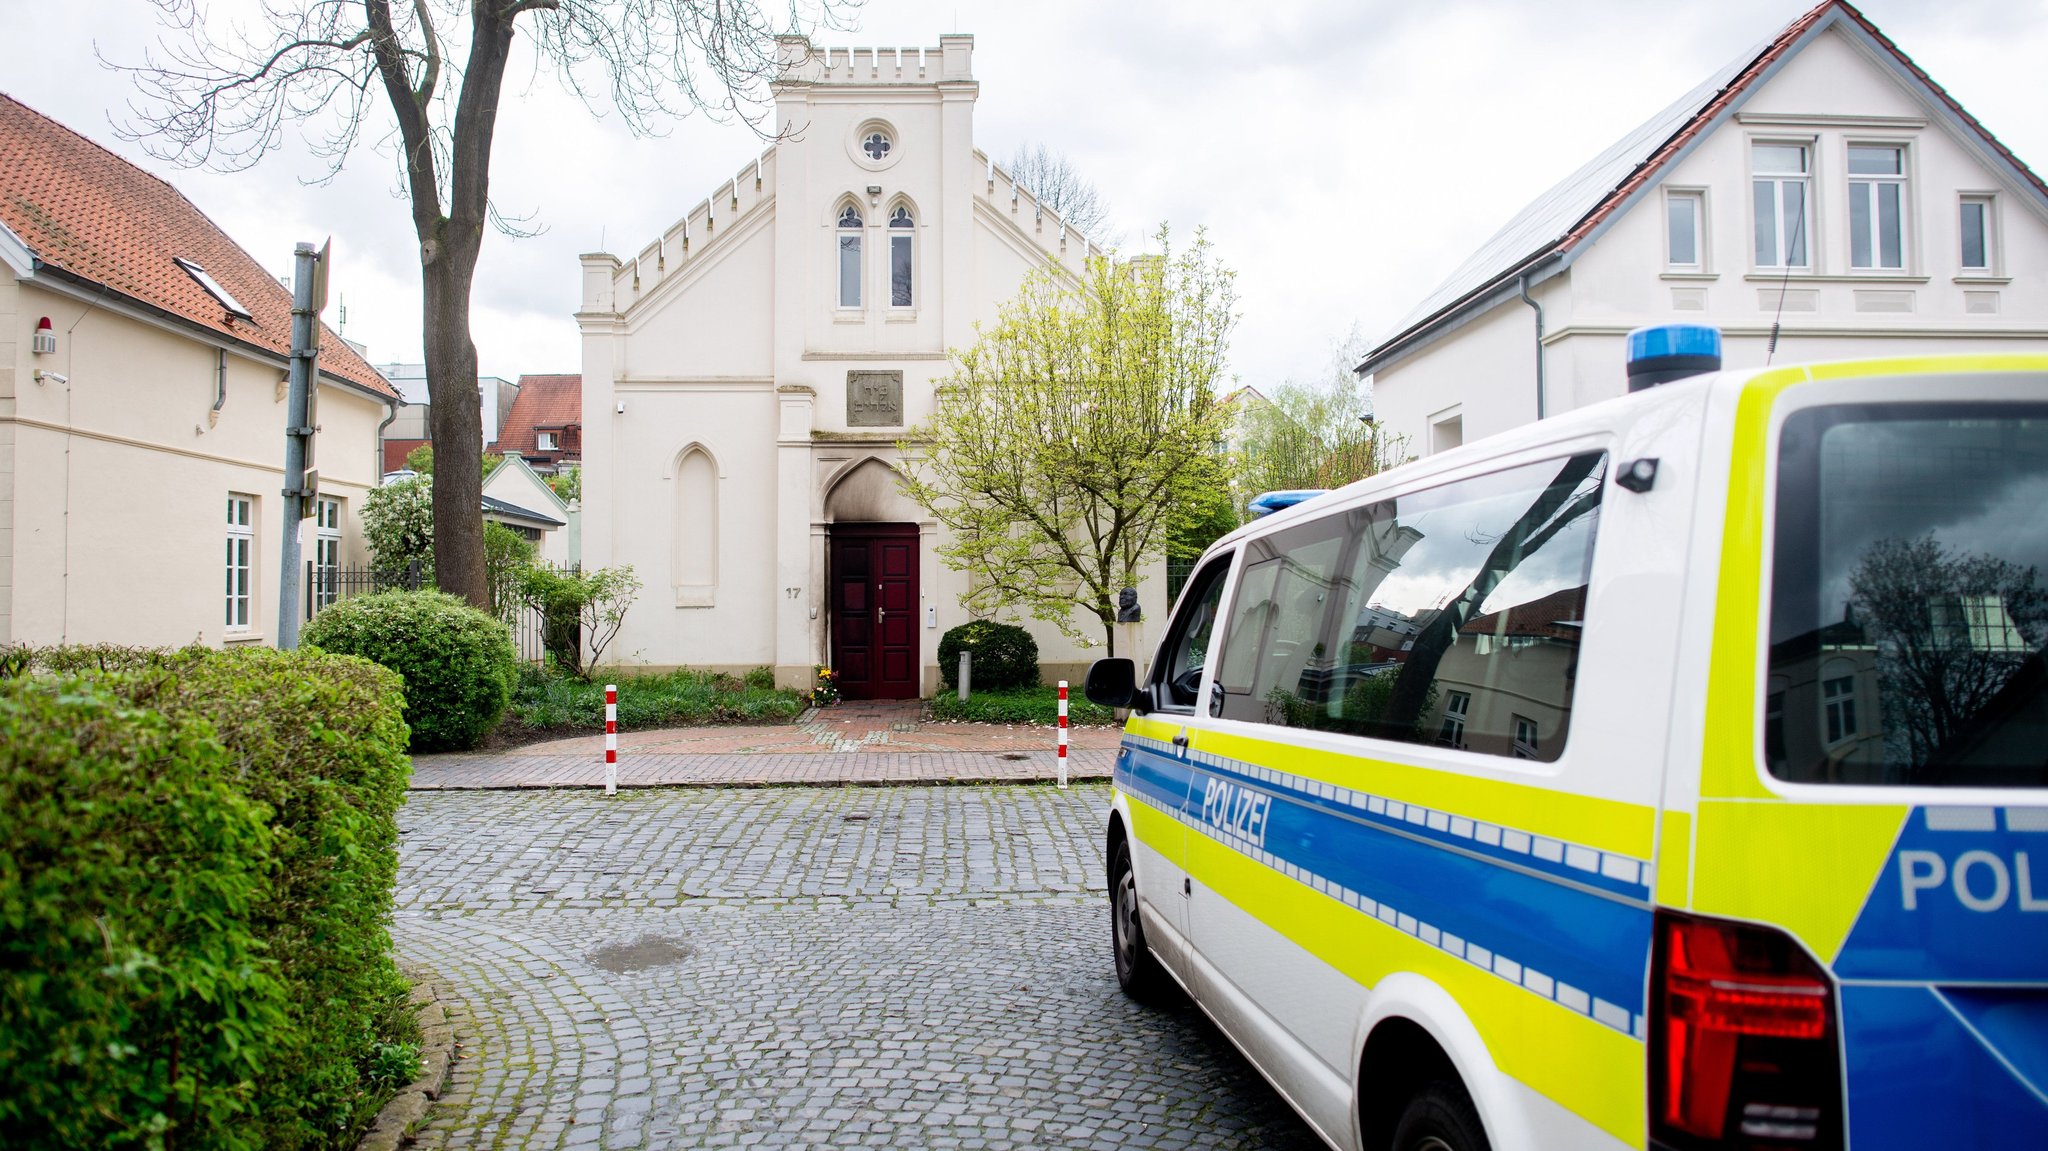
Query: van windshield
x=1909 y=611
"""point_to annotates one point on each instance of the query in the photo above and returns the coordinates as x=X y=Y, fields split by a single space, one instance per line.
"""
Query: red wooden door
x=873 y=575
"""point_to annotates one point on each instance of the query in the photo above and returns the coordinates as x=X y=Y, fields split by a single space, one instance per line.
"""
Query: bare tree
x=220 y=94
x=1049 y=176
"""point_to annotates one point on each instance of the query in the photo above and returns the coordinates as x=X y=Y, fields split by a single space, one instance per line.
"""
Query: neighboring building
x=521 y=500
x=1821 y=187
x=412 y=427
x=143 y=362
x=748 y=375
x=545 y=424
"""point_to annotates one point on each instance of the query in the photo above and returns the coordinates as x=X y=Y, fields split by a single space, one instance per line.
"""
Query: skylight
x=213 y=288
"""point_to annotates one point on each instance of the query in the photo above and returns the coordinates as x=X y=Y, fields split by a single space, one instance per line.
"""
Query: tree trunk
x=456 y=419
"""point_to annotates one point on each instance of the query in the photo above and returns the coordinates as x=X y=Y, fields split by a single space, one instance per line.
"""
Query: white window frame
x=1781 y=233
x=1696 y=199
x=239 y=559
x=544 y=441
x=326 y=552
x=1987 y=202
x=1526 y=737
x=904 y=234
x=842 y=254
x=1457 y=706
x=1838 y=709
x=1864 y=186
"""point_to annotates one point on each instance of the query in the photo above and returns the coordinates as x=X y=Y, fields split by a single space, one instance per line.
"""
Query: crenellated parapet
x=803 y=63
x=1003 y=194
x=688 y=239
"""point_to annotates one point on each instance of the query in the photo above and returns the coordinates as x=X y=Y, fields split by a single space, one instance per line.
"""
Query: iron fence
x=1177 y=573
x=327 y=585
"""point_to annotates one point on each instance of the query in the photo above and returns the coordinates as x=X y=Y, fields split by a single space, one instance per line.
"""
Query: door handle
x=1181 y=741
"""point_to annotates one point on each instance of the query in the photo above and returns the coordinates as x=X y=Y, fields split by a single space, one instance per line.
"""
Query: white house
x=516 y=496
x=748 y=375
x=1820 y=191
x=143 y=362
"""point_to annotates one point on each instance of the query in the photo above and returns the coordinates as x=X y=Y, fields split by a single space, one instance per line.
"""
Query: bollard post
x=1063 y=734
x=966 y=672
x=611 y=739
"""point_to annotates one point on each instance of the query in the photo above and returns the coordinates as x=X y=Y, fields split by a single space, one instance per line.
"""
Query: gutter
x=1457 y=312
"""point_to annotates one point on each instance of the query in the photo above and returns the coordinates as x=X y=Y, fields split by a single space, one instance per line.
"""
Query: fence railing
x=1177 y=574
x=326 y=586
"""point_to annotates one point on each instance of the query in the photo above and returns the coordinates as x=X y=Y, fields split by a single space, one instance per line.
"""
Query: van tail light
x=1744 y=1039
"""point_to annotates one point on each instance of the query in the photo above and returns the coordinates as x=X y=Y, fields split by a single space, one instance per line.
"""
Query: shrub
x=579 y=610
x=507 y=555
x=312 y=745
x=760 y=679
x=1005 y=655
x=457 y=662
x=398 y=524
x=129 y=864
x=548 y=702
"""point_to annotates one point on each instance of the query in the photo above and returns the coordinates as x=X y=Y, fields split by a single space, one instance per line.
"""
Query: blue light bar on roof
x=1271 y=502
x=1669 y=352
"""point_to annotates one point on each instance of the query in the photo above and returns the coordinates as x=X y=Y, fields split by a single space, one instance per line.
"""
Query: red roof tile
x=86 y=212
x=544 y=403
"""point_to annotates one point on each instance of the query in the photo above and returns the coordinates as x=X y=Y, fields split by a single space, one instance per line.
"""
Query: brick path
x=800 y=967
x=842 y=744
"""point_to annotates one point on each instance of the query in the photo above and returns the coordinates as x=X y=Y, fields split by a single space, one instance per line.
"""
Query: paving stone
x=750 y=968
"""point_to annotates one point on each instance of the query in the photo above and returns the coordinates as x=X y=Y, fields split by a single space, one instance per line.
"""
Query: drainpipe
x=220 y=385
x=1539 y=343
x=377 y=448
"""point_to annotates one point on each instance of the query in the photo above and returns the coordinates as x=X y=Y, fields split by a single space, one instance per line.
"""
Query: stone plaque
x=874 y=399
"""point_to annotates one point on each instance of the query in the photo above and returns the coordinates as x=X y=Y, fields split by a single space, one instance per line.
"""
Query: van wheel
x=1440 y=1118
x=1137 y=970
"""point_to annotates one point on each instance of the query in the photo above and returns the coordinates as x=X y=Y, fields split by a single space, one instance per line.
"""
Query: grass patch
x=1039 y=704
x=544 y=702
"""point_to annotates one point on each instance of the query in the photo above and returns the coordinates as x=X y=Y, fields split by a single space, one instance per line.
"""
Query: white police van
x=1670 y=773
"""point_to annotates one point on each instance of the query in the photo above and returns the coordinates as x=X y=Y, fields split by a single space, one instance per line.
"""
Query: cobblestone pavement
x=801 y=967
x=846 y=743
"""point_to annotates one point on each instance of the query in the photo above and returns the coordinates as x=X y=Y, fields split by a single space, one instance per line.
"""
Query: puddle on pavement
x=641 y=954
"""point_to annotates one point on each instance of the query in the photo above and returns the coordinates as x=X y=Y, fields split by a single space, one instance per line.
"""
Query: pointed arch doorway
x=872 y=571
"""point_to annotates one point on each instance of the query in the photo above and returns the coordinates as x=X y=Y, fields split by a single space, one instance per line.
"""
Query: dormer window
x=544 y=441
x=213 y=288
x=902 y=235
x=849 y=257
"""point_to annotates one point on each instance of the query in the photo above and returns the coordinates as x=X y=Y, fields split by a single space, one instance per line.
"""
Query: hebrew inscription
x=874 y=399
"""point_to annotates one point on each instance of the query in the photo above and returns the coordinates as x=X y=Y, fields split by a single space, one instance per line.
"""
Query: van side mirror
x=1113 y=682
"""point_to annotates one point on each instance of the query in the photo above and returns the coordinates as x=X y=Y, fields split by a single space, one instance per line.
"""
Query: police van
x=1670 y=773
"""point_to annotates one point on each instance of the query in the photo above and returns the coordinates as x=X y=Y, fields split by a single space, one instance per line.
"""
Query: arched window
x=695 y=532
x=849 y=257
x=902 y=233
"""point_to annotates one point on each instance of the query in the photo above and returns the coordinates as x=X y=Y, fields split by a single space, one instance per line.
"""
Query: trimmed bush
x=1005 y=655
x=301 y=988
x=1019 y=705
x=457 y=662
x=548 y=702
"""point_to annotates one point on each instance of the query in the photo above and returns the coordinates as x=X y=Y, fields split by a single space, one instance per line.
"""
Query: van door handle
x=1181 y=741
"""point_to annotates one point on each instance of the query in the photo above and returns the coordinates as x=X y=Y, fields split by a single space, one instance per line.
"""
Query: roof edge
x=16 y=254
x=1462 y=311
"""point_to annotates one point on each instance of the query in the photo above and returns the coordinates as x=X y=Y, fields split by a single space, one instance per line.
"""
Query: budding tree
x=1078 y=430
x=220 y=93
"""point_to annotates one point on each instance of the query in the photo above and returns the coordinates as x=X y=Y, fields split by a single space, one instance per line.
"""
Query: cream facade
x=748 y=375
x=124 y=455
x=1825 y=191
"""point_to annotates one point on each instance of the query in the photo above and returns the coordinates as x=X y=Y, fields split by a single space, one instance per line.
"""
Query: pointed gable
x=1544 y=237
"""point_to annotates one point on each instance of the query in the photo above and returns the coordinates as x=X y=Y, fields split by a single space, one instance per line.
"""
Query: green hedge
x=1019 y=705
x=458 y=662
x=546 y=701
x=197 y=856
x=1005 y=655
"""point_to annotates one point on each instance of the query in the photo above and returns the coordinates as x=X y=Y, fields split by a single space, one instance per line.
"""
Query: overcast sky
x=1345 y=155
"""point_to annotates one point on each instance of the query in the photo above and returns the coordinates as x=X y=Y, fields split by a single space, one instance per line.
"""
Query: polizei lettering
x=1236 y=809
x=1980 y=880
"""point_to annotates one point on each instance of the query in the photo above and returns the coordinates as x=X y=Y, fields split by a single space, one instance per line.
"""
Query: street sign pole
x=309 y=292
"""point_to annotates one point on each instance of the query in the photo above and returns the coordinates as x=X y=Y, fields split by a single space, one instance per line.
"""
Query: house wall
x=121 y=477
x=518 y=485
x=1828 y=95
x=1482 y=375
x=725 y=336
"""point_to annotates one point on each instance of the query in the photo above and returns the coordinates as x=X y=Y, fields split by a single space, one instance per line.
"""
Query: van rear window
x=1908 y=606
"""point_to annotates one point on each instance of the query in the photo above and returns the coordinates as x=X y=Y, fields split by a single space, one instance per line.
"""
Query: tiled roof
x=545 y=403
x=1559 y=615
x=1568 y=215
x=90 y=215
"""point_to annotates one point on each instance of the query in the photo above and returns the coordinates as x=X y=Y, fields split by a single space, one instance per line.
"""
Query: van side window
x=1448 y=616
x=1177 y=676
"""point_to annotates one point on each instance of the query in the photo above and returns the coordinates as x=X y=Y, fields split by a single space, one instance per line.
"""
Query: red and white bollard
x=611 y=738
x=1063 y=733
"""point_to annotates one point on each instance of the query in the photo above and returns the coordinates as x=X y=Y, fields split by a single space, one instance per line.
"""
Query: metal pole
x=611 y=739
x=966 y=674
x=1063 y=734
x=305 y=347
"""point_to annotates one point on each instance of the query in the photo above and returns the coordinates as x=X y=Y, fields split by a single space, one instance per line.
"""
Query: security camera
x=51 y=377
x=622 y=407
